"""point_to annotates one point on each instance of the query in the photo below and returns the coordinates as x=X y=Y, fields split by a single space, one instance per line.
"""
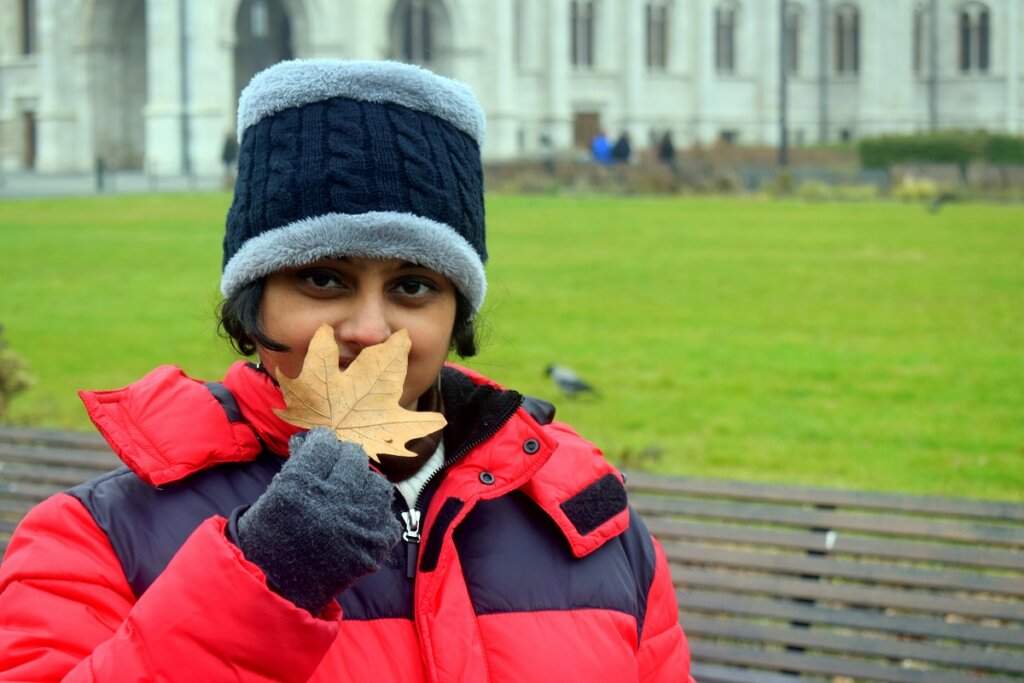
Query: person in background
x=666 y=149
x=234 y=546
x=601 y=148
x=667 y=153
x=228 y=157
x=622 y=151
x=547 y=153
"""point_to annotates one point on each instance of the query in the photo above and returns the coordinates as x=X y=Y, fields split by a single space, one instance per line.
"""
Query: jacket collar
x=526 y=450
x=167 y=426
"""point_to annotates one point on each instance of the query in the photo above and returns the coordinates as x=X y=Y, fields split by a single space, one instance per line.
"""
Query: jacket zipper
x=411 y=536
x=412 y=517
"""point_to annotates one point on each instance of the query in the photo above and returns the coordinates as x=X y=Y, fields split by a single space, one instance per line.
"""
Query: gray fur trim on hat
x=377 y=234
x=301 y=81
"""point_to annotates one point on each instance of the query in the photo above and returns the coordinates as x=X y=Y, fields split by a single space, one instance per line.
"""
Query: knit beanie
x=375 y=159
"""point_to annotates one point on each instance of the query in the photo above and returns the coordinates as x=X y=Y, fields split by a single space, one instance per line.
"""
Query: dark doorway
x=28 y=154
x=263 y=38
x=421 y=33
x=585 y=125
x=119 y=82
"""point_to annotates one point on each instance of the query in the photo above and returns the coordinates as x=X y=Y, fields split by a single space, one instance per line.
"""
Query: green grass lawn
x=873 y=346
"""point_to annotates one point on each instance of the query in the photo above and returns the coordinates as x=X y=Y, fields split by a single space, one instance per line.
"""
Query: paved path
x=21 y=184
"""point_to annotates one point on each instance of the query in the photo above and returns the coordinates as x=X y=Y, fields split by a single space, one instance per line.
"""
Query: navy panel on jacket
x=385 y=594
x=515 y=559
x=147 y=525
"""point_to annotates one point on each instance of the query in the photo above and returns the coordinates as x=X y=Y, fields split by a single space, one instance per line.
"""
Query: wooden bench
x=775 y=583
x=36 y=463
x=783 y=583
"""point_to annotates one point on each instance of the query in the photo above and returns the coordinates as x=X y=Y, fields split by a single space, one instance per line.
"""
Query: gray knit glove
x=324 y=521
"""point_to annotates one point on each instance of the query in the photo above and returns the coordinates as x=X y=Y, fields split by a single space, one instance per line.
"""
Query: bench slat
x=842 y=543
x=715 y=673
x=53 y=438
x=58 y=478
x=780 y=660
x=911 y=601
x=32 y=455
x=881 y=620
x=25 y=495
x=876 y=647
x=781 y=493
x=819 y=519
x=788 y=563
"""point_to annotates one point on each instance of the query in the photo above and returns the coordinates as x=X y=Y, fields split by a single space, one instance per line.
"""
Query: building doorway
x=585 y=125
x=263 y=31
x=421 y=33
x=119 y=83
x=29 y=140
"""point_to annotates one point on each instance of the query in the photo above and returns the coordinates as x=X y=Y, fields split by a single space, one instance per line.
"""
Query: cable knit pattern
x=420 y=174
x=237 y=232
x=347 y=163
x=333 y=154
x=442 y=166
x=469 y=176
x=282 y=193
x=315 y=126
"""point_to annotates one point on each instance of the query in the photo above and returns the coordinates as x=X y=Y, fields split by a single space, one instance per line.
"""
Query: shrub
x=865 y=192
x=781 y=185
x=914 y=190
x=815 y=191
x=946 y=147
x=14 y=375
x=724 y=182
x=1004 y=149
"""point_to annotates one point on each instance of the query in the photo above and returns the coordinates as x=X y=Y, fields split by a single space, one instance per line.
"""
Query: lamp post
x=933 y=65
x=783 y=85
x=186 y=152
x=822 y=72
x=3 y=126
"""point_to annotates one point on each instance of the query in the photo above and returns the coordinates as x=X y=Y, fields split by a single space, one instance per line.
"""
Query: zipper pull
x=412 y=540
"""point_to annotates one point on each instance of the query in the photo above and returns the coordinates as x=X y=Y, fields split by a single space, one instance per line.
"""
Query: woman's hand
x=324 y=521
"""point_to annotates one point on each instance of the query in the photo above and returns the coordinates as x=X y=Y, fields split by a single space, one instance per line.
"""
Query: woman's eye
x=414 y=287
x=321 y=280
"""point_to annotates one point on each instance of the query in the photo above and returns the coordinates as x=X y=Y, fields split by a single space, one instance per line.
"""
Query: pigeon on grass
x=568 y=382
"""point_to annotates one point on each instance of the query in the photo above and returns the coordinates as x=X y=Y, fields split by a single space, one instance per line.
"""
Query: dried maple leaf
x=360 y=404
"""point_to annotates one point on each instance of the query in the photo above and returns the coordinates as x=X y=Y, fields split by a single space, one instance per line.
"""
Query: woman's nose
x=365 y=325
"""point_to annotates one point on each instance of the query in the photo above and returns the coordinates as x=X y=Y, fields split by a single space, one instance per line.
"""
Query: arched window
x=974 y=23
x=28 y=27
x=847 y=39
x=791 y=37
x=259 y=19
x=581 y=38
x=657 y=16
x=421 y=33
x=726 y=23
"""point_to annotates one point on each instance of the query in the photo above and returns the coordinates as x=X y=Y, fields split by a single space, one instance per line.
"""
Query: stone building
x=152 y=84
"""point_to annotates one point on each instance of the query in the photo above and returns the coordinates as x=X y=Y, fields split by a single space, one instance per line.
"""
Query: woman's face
x=365 y=300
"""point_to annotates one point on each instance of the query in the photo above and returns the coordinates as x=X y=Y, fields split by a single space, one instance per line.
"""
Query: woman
x=234 y=546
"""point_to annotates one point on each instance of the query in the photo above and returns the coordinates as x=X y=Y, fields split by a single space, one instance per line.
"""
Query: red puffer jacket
x=532 y=567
